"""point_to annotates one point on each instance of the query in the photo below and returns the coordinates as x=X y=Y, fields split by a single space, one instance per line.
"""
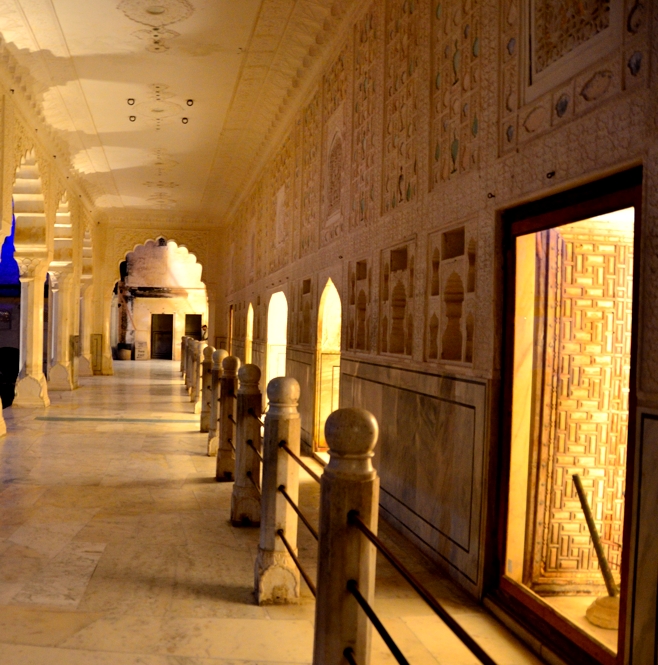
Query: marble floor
x=115 y=546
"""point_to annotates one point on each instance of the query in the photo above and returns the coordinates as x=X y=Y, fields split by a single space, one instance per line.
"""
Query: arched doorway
x=249 y=335
x=277 y=336
x=327 y=382
x=159 y=297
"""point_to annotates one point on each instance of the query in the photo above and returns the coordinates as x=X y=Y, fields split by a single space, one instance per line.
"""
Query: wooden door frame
x=615 y=192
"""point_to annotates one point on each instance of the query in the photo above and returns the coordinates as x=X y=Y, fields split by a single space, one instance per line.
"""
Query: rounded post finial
x=217 y=357
x=351 y=432
x=283 y=390
x=230 y=365
x=249 y=374
x=207 y=354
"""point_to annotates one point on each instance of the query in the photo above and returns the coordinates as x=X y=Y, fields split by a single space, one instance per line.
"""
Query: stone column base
x=32 y=392
x=225 y=466
x=245 y=506
x=107 y=366
x=84 y=366
x=276 y=579
x=213 y=444
x=60 y=378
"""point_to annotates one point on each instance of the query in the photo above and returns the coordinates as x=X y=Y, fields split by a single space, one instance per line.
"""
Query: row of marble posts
x=349 y=484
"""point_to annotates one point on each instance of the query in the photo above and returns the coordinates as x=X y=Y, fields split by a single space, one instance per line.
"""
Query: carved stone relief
x=359 y=305
x=400 y=167
x=281 y=197
x=451 y=270
x=311 y=133
x=304 y=312
x=456 y=112
x=396 y=293
x=367 y=44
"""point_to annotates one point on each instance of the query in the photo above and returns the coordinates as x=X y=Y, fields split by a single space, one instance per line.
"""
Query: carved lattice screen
x=586 y=282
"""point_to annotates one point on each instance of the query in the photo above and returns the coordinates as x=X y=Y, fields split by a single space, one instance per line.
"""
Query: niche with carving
x=359 y=297
x=451 y=277
x=396 y=303
x=304 y=312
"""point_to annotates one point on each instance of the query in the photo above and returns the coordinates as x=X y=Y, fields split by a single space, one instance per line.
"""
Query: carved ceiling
x=164 y=105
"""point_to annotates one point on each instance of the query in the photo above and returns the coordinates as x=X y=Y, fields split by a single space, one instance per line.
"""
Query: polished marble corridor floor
x=115 y=546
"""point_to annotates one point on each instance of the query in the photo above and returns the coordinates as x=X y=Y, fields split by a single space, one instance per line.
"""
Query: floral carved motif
x=311 y=134
x=400 y=169
x=560 y=27
x=456 y=91
x=366 y=92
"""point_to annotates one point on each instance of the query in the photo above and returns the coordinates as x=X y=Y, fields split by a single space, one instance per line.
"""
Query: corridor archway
x=327 y=382
x=249 y=335
x=160 y=286
x=277 y=336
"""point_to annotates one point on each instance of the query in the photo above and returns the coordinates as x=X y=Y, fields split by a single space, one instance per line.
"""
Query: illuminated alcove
x=328 y=360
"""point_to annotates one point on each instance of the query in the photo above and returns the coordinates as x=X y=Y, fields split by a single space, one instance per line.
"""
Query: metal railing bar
x=353 y=588
x=304 y=574
x=253 y=482
x=348 y=654
x=232 y=419
x=466 y=639
x=250 y=443
x=297 y=509
x=252 y=413
x=232 y=444
x=306 y=468
x=319 y=460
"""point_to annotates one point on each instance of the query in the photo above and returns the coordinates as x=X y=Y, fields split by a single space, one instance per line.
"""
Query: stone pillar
x=86 y=318
x=198 y=377
x=206 y=387
x=245 y=500
x=107 y=366
x=349 y=483
x=188 y=362
x=227 y=413
x=213 y=429
x=276 y=578
x=31 y=387
x=61 y=375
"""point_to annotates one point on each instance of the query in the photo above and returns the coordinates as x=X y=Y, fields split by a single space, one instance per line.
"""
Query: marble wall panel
x=430 y=457
x=300 y=366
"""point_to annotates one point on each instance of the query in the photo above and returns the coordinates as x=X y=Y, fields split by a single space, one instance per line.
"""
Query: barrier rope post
x=216 y=374
x=189 y=351
x=194 y=370
x=206 y=388
x=349 y=483
x=276 y=577
x=198 y=378
x=183 y=348
x=227 y=393
x=245 y=499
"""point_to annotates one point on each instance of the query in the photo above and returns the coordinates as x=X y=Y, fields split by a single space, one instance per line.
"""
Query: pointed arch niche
x=249 y=335
x=158 y=298
x=277 y=336
x=327 y=381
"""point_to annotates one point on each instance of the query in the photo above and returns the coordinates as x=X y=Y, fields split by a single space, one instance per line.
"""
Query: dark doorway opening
x=162 y=336
x=193 y=326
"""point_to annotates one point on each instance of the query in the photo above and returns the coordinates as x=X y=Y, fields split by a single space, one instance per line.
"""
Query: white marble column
x=245 y=499
x=276 y=578
x=31 y=387
x=107 y=365
x=61 y=375
x=349 y=483
x=213 y=429
x=86 y=318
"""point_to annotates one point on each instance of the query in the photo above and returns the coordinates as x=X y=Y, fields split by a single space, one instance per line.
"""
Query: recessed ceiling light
x=185 y=121
x=155 y=9
x=131 y=101
x=132 y=118
x=190 y=102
